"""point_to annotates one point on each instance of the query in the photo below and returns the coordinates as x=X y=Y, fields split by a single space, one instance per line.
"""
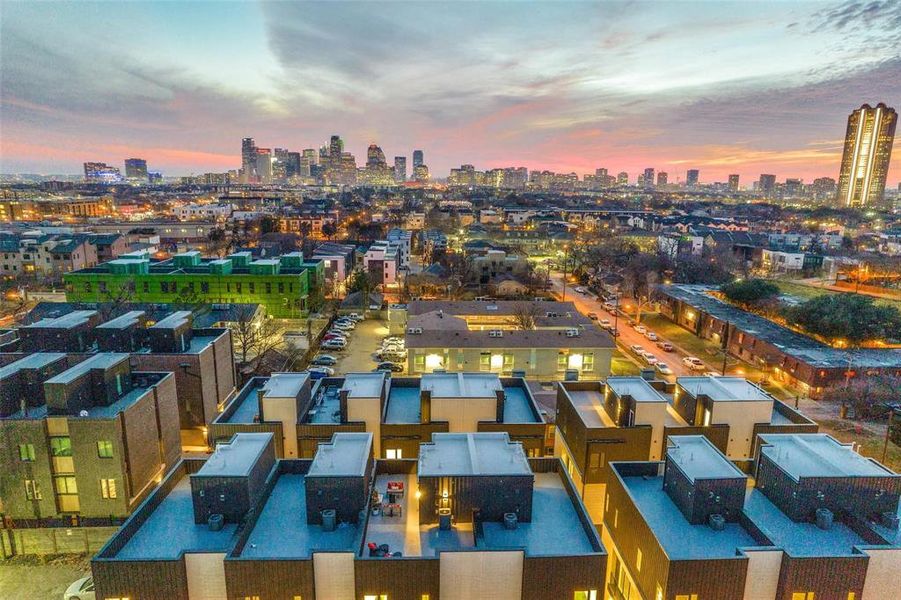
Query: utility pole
x=726 y=345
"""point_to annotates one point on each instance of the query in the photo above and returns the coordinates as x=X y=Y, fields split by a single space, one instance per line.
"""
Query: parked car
x=346 y=325
x=605 y=323
x=580 y=289
x=395 y=357
x=641 y=329
x=83 y=589
x=389 y=366
x=609 y=306
x=693 y=363
x=333 y=335
x=324 y=360
x=593 y=316
x=355 y=316
x=637 y=349
x=314 y=375
x=665 y=346
x=651 y=336
x=334 y=344
x=649 y=358
x=663 y=369
x=327 y=370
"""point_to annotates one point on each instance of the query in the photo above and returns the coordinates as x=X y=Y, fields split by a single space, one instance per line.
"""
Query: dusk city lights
x=510 y=300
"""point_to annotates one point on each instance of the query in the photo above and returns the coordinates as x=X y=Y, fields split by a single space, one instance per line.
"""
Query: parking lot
x=362 y=343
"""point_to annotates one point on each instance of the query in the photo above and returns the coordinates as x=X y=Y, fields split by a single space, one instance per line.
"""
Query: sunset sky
x=723 y=87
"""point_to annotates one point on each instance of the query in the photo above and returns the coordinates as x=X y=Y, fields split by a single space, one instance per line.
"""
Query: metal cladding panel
x=483 y=575
x=333 y=573
x=206 y=576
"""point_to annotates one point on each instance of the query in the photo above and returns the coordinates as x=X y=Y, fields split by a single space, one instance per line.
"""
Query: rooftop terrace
x=403 y=405
x=517 y=406
x=284 y=385
x=723 y=389
x=364 y=385
x=636 y=388
x=589 y=405
x=461 y=385
x=346 y=455
x=466 y=454
x=170 y=530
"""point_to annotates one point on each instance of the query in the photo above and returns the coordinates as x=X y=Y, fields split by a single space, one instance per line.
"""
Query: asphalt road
x=588 y=303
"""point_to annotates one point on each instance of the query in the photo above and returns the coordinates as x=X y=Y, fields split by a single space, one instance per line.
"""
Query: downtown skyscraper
x=865 y=160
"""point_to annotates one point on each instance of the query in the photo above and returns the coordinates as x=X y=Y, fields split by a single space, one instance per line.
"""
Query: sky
x=748 y=88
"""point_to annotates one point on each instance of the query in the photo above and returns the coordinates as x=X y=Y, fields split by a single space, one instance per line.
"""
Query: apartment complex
x=46 y=254
x=546 y=340
x=818 y=521
x=629 y=419
x=400 y=412
x=287 y=286
x=472 y=517
x=200 y=360
x=85 y=439
x=789 y=356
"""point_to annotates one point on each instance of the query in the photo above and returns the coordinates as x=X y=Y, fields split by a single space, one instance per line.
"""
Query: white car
x=333 y=344
x=637 y=349
x=83 y=589
x=580 y=289
x=345 y=325
x=663 y=369
x=651 y=336
x=355 y=317
x=319 y=369
x=649 y=358
x=605 y=323
x=641 y=329
x=609 y=306
x=693 y=363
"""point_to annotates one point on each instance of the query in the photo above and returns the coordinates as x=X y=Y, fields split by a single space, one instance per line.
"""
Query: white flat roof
x=464 y=454
x=634 y=387
x=817 y=455
x=345 y=456
x=461 y=385
x=723 y=389
x=364 y=385
x=699 y=459
x=284 y=385
x=237 y=457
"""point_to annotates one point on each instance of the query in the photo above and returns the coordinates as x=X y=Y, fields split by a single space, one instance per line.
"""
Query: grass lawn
x=871 y=445
x=620 y=365
x=806 y=292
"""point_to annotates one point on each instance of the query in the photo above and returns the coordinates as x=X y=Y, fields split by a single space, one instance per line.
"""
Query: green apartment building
x=287 y=286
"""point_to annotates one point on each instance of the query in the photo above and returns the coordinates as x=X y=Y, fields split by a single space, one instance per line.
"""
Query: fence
x=53 y=540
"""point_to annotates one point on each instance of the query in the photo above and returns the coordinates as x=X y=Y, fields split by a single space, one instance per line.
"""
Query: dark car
x=389 y=366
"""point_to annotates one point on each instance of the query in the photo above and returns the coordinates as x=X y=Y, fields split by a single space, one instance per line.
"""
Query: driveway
x=361 y=345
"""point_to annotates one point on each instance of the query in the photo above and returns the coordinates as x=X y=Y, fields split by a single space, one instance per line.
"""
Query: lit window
x=32 y=490
x=638 y=561
x=686 y=597
x=60 y=446
x=802 y=596
x=105 y=449
x=394 y=453
x=585 y=595
x=26 y=452
x=108 y=488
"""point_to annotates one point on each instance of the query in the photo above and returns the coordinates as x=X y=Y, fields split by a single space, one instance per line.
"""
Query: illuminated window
x=638 y=561
x=485 y=361
x=434 y=361
x=105 y=449
x=394 y=453
x=108 y=489
x=587 y=362
x=375 y=597
x=561 y=361
x=419 y=363
x=802 y=596
x=32 y=490
x=585 y=595
x=686 y=597
x=497 y=362
x=26 y=452
x=60 y=446
x=575 y=361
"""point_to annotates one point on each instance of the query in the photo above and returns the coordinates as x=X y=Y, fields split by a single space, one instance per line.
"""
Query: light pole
x=565 y=260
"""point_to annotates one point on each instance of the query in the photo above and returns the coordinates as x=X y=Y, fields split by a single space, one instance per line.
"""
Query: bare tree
x=525 y=315
x=255 y=339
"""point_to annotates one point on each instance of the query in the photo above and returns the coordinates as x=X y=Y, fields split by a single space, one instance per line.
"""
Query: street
x=588 y=303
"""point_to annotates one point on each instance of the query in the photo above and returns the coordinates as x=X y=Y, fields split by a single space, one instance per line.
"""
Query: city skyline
x=763 y=91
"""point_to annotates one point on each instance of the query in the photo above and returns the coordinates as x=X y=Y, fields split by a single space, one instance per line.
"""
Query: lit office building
x=136 y=169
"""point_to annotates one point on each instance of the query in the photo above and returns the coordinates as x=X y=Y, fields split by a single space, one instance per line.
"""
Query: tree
x=329 y=229
x=524 y=315
x=268 y=224
x=255 y=338
x=850 y=319
x=751 y=293
x=867 y=395
x=361 y=282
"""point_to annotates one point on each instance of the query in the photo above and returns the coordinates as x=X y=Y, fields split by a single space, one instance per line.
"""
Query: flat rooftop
x=680 y=539
x=796 y=538
x=698 y=459
x=723 y=389
x=176 y=319
x=326 y=407
x=517 y=406
x=589 y=405
x=364 y=385
x=284 y=385
x=345 y=456
x=102 y=360
x=461 y=385
x=68 y=321
x=403 y=405
x=282 y=531
x=170 y=530
x=246 y=405
x=130 y=318
x=32 y=361
x=818 y=455
x=470 y=454
x=237 y=457
x=636 y=388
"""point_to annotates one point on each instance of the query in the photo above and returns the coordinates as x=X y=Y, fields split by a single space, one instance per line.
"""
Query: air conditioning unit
x=572 y=333
x=495 y=333
x=414 y=330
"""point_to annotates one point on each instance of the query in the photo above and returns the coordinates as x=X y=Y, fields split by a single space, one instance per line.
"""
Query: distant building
x=692 y=178
x=766 y=186
x=662 y=178
x=866 y=157
x=248 y=161
x=622 y=178
x=733 y=182
x=400 y=169
x=136 y=169
x=648 y=178
x=417 y=158
x=98 y=172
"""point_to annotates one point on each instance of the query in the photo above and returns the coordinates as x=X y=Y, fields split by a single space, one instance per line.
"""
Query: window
x=251 y=598
x=108 y=489
x=281 y=287
x=33 y=490
x=561 y=361
x=268 y=288
x=204 y=287
x=852 y=596
x=638 y=561
x=485 y=361
x=253 y=287
x=686 y=597
x=802 y=596
x=164 y=287
x=60 y=446
x=26 y=452
x=66 y=485
x=508 y=362
x=615 y=517
x=424 y=597
x=587 y=362
x=394 y=453
x=105 y=449
x=375 y=597
x=146 y=287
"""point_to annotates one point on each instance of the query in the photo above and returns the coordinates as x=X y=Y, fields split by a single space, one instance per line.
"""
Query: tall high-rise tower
x=417 y=158
x=400 y=169
x=733 y=182
x=865 y=160
x=248 y=160
x=692 y=177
